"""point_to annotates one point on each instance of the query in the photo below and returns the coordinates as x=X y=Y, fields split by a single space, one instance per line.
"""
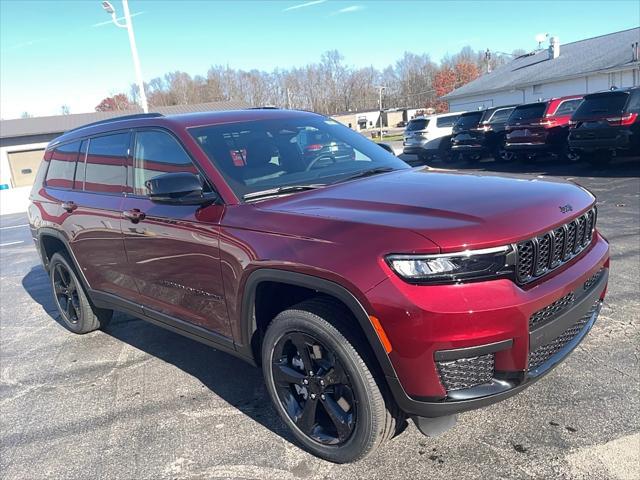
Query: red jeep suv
x=542 y=128
x=368 y=291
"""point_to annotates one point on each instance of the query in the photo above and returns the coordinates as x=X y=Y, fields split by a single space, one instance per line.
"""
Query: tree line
x=329 y=86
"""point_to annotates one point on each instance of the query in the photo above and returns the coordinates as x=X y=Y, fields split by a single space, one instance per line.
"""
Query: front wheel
x=321 y=386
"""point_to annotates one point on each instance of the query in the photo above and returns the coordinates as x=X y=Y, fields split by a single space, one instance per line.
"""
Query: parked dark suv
x=607 y=124
x=541 y=128
x=368 y=291
x=482 y=132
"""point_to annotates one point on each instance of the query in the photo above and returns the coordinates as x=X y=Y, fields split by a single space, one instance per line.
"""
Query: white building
x=581 y=67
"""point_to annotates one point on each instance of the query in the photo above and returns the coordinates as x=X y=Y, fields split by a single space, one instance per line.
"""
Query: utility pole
x=132 y=42
x=380 y=89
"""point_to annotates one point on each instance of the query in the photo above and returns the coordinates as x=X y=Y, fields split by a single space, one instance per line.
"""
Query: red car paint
x=195 y=264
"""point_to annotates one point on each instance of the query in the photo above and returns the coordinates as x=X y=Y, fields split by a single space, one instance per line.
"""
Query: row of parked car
x=594 y=127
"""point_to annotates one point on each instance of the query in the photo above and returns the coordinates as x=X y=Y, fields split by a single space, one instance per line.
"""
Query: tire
x=313 y=334
x=501 y=154
x=77 y=312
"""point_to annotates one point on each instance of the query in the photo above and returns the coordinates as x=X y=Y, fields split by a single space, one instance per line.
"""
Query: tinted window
x=500 y=116
x=634 y=102
x=442 y=122
x=78 y=184
x=602 y=105
x=105 y=165
x=62 y=166
x=469 y=120
x=157 y=153
x=528 y=112
x=418 y=124
x=266 y=154
x=568 y=107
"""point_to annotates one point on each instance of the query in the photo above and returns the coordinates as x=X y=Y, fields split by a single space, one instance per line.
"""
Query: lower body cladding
x=499 y=340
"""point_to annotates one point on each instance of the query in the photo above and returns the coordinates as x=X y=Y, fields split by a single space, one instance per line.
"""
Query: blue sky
x=67 y=52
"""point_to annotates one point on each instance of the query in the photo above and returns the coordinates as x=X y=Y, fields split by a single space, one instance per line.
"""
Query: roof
x=577 y=58
x=22 y=127
x=180 y=121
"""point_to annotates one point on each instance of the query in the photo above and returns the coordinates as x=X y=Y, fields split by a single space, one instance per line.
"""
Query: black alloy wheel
x=314 y=389
x=66 y=293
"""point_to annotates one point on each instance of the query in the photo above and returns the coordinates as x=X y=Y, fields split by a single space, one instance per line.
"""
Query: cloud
x=304 y=5
x=101 y=24
x=351 y=9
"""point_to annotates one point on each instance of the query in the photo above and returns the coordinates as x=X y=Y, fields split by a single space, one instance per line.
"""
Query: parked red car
x=541 y=128
x=368 y=291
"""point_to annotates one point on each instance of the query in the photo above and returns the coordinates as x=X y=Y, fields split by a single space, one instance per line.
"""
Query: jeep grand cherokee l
x=368 y=291
x=541 y=128
x=607 y=124
x=482 y=132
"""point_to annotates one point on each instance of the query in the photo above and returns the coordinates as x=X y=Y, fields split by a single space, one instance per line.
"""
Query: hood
x=455 y=210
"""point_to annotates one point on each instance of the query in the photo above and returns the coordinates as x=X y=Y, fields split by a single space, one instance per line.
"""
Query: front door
x=173 y=251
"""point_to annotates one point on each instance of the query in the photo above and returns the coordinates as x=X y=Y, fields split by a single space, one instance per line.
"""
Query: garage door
x=24 y=166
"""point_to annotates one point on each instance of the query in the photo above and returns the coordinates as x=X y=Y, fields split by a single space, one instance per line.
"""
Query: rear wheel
x=501 y=154
x=76 y=311
x=321 y=385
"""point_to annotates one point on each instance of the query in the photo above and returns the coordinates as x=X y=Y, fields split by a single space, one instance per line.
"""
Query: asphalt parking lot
x=139 y=402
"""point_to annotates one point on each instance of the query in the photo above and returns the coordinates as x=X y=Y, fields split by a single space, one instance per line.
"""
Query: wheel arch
x=249 y=325
x=51 y=241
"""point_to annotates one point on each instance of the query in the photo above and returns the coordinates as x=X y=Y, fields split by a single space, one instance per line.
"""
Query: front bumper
x=486 y=320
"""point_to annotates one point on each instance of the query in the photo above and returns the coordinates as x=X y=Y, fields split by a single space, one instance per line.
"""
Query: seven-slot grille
x=542 y=254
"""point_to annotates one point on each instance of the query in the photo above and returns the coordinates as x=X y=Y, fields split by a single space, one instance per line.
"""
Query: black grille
x=540 y=255
x=544 y=254
x=543 y=353
x=466 y=372
x=592 y=279
x=525 y=259
x=558 y=246
x=550 y=311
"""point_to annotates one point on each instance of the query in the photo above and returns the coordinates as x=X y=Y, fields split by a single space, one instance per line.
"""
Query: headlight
x=454 y=267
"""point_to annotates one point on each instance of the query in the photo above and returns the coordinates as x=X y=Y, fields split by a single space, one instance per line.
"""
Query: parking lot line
x=15 y=226
x=11 y=243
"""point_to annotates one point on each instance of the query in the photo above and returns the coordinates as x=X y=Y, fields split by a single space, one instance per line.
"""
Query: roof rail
x=117 y=119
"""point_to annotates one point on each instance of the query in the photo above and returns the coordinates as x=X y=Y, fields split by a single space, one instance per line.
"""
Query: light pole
x=380 y=89
x=132 y=42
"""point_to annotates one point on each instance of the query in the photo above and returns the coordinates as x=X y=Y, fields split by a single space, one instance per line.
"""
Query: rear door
x=172 y=250
x=85 y=180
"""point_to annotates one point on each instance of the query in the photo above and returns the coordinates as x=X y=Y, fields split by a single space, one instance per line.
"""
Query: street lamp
x=132 y=42
x=380 y=88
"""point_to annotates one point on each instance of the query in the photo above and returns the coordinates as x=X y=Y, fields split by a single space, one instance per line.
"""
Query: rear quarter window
x=62 y=166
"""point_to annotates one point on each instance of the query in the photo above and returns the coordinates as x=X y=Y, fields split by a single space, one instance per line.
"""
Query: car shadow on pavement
x=234 y=381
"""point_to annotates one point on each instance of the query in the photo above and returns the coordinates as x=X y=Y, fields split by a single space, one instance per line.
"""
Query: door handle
x=69 y=206
x=135 y=215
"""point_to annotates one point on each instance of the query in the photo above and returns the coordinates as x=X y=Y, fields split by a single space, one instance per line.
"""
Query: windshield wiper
x=367 y=173
x=271 y=192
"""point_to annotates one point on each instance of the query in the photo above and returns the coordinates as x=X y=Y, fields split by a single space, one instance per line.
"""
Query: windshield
x=418 y=124
x=268 y=154
x=469 y=120
x=601 y=105
x=528 y=112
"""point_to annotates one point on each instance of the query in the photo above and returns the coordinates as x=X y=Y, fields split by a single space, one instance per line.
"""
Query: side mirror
x=180 y=188
x=387 y=147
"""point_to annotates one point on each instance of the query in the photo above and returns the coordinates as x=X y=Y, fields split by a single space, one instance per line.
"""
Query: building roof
x=22 y=127
x=595 y=54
